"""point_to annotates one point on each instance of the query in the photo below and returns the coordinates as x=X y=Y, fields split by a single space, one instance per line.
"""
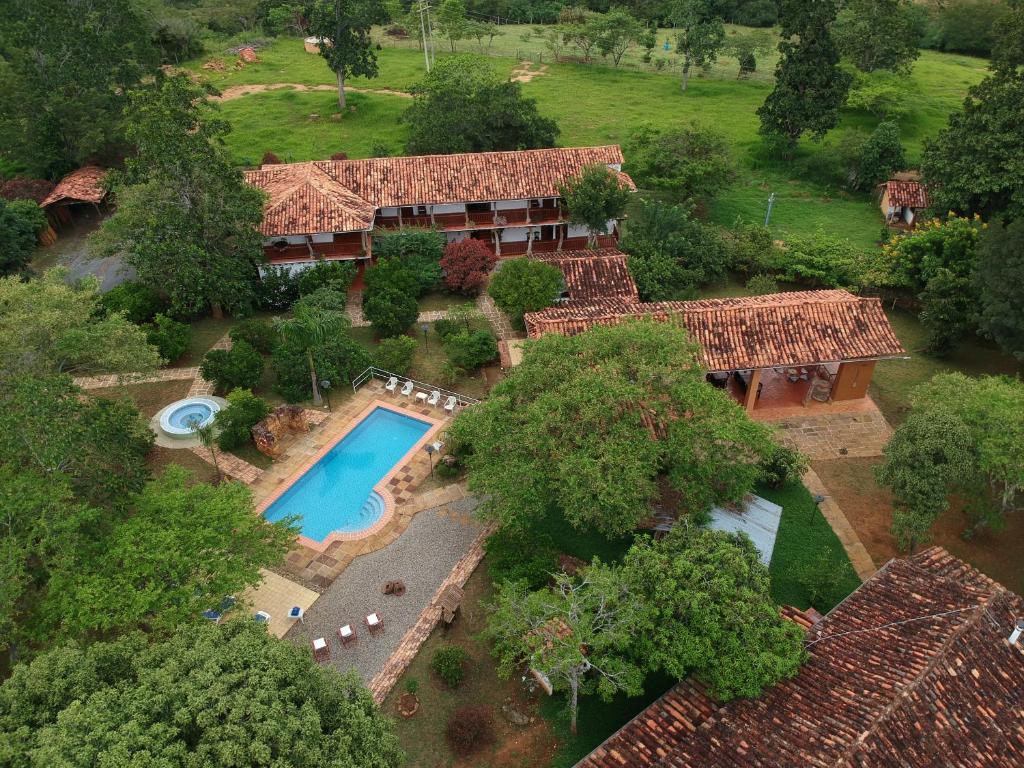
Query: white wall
x=456 y=237
x=511 y=205
x=449 y=208
x=393 y=212
x=323 y=237
x=575 y=230
x=515 y=235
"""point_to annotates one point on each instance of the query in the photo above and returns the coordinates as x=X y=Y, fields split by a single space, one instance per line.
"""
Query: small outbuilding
x=78 y=188
x=901 y=202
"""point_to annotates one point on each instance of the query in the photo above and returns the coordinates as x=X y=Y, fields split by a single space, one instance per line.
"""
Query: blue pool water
x=336 y=493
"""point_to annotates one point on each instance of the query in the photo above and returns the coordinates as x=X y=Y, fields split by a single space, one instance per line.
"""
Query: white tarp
x=759 y=520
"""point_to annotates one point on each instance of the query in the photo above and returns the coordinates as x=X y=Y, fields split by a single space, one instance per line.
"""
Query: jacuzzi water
x=190 y=415
x=336 y=493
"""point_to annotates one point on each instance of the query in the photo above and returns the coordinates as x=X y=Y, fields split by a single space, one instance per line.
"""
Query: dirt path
x=238 y=91
x=524 y=72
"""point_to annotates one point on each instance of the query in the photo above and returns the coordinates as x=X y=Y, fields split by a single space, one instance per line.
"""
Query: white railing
x=379 y=373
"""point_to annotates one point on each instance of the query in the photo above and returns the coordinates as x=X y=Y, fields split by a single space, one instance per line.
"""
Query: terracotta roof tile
x=386 y=182
x=84 y=185
x=781 y=329
x=596 y=274
x=910 y=193
x=912 y=670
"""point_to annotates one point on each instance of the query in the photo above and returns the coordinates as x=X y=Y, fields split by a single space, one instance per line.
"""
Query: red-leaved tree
x=466 y=265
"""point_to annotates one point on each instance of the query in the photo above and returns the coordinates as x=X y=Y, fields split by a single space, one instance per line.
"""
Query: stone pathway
x=114 y=380
x=499 y=322
x=200 y=386
x=354 y=310
x=837 y=435
x=232 y=466
x=833 y=513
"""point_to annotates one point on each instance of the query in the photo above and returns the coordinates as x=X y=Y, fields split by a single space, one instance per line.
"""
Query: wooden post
x=751 y=400
x=432 y=222
x=497 y=242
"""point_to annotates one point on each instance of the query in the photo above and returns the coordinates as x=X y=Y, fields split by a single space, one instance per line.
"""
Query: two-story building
x=329 y=209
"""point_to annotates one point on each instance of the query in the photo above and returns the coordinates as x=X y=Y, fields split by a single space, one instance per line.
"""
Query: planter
x=408 y=705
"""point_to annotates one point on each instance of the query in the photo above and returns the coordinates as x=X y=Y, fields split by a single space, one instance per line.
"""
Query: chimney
x=1017 y=631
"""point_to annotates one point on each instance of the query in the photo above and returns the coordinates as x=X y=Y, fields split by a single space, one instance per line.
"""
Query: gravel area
x=422 y=557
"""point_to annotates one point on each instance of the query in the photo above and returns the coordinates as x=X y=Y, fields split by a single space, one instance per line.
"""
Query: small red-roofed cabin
x=83 y=187
x=902 y=201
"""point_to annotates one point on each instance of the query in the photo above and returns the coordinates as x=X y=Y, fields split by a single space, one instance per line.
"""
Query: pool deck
x=316 y=568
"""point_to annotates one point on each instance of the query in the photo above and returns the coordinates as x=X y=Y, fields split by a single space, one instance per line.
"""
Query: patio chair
x=296 y=612
x=321 y=650
x=434 y=398
x=373 y=622
x=346 y=634
x=261 y=617
x=392 y=384
x=450 y=403
x=407 y=388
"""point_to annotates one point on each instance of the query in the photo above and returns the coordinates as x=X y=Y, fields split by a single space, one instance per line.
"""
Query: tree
x=466 y=265
x=68 y=70
x=49 y=326
x=207 y=437
x=327 y=274
x=598 y=417
x=170 y=337
x=617 y=32
x=210 y=695
x=707 y=610
x=885 y=95
x=927 y=455
x=462 y=105
x=576 y=633
x=583 y=33
x=470 y=350
x=746 y=48
x=343 y=31
x=307 y=331
x=878 y=34
x=395 y=354
x=594 y=198
x=235 y=422
x=21 y=221
x=809 y=87
x=390 y=311
x=185 y=219
x=452 y=21
x=241 y=366
x=338 y=358
x=701 y=34
x=879 y=156
x=524 y=285
x=971 y=166
x=693 y=162
x=408 y=259
x=998 y=275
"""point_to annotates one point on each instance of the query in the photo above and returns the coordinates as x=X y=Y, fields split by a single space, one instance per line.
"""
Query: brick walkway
x=413 y=640
x=837 y=435
x=232 y=466
x=499 y=322
x=200 y=386
x=114 y=380
x=354 y=310
x=833 y=513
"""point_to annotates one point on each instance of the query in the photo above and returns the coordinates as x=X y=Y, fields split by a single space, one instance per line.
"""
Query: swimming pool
x=336 y=494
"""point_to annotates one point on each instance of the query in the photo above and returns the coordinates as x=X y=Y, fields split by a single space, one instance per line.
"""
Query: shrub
x=269 y=158
x=324 y=299
x=446 y=327
x=170 y=337
x=334 y=274
x=819 y=260
x=524 y=285
x=466 y=265
x=395 y=355
x=235 y=422
x=338 y=359
x=138 y=301
x=228 y=369
x=259 y=333
x=400 y=274
x=514 y=557
x=412 y=686
x=277 y=289
x=753 y=246
x=471 y=349
x=419 y=249
x=690 y=161
x=448 y=663
x=389 y=310
x=878 y=157
x=759 y=285
x=470 y=729
x=782 y=464
x=20 y=223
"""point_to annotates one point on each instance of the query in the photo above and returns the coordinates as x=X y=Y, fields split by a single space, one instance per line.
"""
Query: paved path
x=114 y=380
x=354 y=310
x=435 y=542
x=833 y=513
x=499 y=322
x=837 y=435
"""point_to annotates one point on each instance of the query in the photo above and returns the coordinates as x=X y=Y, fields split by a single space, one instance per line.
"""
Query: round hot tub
x=181 y=419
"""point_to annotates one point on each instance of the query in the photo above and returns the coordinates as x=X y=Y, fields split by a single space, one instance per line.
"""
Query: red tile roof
x=387 y=182
x=780 y=329
x=82 y=186
x=912 y=670
x=590 y=275
x=910 y=193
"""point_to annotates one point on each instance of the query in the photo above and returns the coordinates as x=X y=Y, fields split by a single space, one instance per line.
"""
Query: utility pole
x=423 y=32
x=768 y=213
x=430 y=34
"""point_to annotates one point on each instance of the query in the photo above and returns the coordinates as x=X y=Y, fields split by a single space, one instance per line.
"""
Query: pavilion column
x=497 y=242
x=400 y=216
x=432 y=222
x=751 y=400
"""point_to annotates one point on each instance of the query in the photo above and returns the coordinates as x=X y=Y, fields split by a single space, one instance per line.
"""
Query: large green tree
x=597 y=418
x=66 y=68
x=525 y=285
x=343 y=29
x=691 y=161
x=998 y=277
x=878 y=34
x=810 y=88
x=21 y=221
x=49 y=326
x=462 y=105
x=594 y=198
x=973 y=165
x=185 y=219
x=707 y=610
x=226 y=695
x=701 y=34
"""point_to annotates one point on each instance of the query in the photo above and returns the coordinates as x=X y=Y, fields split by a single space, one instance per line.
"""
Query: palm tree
x=208 y=438
x=308 y=330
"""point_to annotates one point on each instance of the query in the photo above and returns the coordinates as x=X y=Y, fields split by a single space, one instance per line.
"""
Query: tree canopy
x=462 y=105
x=693 y=161
x=596 y=418
x=594 y=198
x=998 y=277
x=343 y=31
x=185 y=219
x=878 y=34
x=21 y=221
x=525 y=285
x=49 y=326
x=701 y=34
x=227 y=695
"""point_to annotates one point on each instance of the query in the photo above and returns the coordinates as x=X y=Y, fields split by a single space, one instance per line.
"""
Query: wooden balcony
x=546 y=215
x=481 y=218
x=512 y=217
x=337 y=250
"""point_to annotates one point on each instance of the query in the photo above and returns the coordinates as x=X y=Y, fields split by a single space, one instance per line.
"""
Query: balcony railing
x=335 y=250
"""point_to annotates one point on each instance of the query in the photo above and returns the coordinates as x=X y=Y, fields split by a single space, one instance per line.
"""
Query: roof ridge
x=392 y=158
x=903 y=695
x=747 y=302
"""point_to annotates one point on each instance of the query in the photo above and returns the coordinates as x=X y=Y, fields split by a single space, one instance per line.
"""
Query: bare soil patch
x=524 y=73
x=238 y=91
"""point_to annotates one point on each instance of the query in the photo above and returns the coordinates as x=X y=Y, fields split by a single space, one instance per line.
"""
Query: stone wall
x=283 y=420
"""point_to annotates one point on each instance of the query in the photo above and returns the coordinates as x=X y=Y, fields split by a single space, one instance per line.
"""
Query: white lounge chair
x=392 y=384
x=434 y=398
x=261 y=617
x=407 y=388
x=450 y=403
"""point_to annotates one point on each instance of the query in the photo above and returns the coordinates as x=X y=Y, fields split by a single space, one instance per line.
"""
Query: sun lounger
x=407 y=388
x=261 y=617
x=392 y=384
x=346 y=634
x=434 y=398
x=373 y=622
x=450 y=403
x=321 y=650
